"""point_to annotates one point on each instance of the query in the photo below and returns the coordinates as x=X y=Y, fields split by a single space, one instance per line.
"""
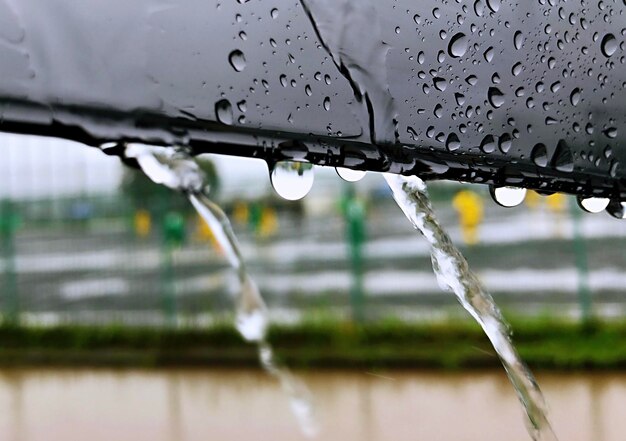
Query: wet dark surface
x=500 y=92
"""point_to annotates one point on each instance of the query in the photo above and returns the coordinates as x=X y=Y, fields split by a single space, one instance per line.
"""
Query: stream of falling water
x=453 y=274
x=179 y=171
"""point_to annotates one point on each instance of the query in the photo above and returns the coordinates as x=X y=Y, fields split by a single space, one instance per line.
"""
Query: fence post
x=354 y=215
x=9 y=222
x=582 y=263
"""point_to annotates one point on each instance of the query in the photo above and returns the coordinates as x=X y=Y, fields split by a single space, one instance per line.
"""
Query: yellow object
x=143 y=223
x=241 y=213
x=469 y=205
x=556 y=202
x=532 y=199
x=269 y=223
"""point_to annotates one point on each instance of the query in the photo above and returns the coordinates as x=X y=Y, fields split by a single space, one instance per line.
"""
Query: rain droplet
x=458 y=45
x=495 y=96
x=452 y=142
x=274 y=13
x=611 y=132
x=438 y=112
x=489 y=55
x=488 y=144
x=608 y=45
x=440 y=83
x=539 y=155
x=326 y=104
x=237 y=60
x=460 y=98
x=563 y=159
x=617 y=209
x=574 y=97
x=518 y=40
x=592 y=205
x=494 y=5
x=224 y=112
x=292 y=180
x=507 y=196
x=505 y=142
x=349 y=175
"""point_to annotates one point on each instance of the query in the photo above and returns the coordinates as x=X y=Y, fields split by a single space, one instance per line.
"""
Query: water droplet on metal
x=237 y=60
x=350 y=175
x=608 y=45
x=563 y=159
x=518 y=40
x=574 y=97
x=488 y=144
x=593 y=205
x=539 y=155
x=292 y=180
x=507 y=196
x=495 y=96
x=452 y=142
x=458 y=45
x=617 y=209
x=224 y=112
x=326 y=103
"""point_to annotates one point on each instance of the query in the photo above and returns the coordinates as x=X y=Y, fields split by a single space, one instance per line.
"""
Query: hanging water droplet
x=608 y=45
x=592 y=205
x=539 y=155
x=292 y=180
x=237 y=60
x=458 y=45
x=350 y=175
x=224 y=112
x=507 y=197
x=495 y=96
x=617 y=209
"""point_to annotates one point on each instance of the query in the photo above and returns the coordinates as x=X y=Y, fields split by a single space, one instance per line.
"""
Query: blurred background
x=99 y=256
x=88 y=240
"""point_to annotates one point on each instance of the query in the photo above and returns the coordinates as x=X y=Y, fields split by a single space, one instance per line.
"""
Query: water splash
x=453 y=274
x=177 y=170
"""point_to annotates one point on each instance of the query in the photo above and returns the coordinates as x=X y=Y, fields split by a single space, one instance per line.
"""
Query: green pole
x=168 y=290
x=354 y=214
x=173 y=237
x=8 y=224
x=582 y=264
